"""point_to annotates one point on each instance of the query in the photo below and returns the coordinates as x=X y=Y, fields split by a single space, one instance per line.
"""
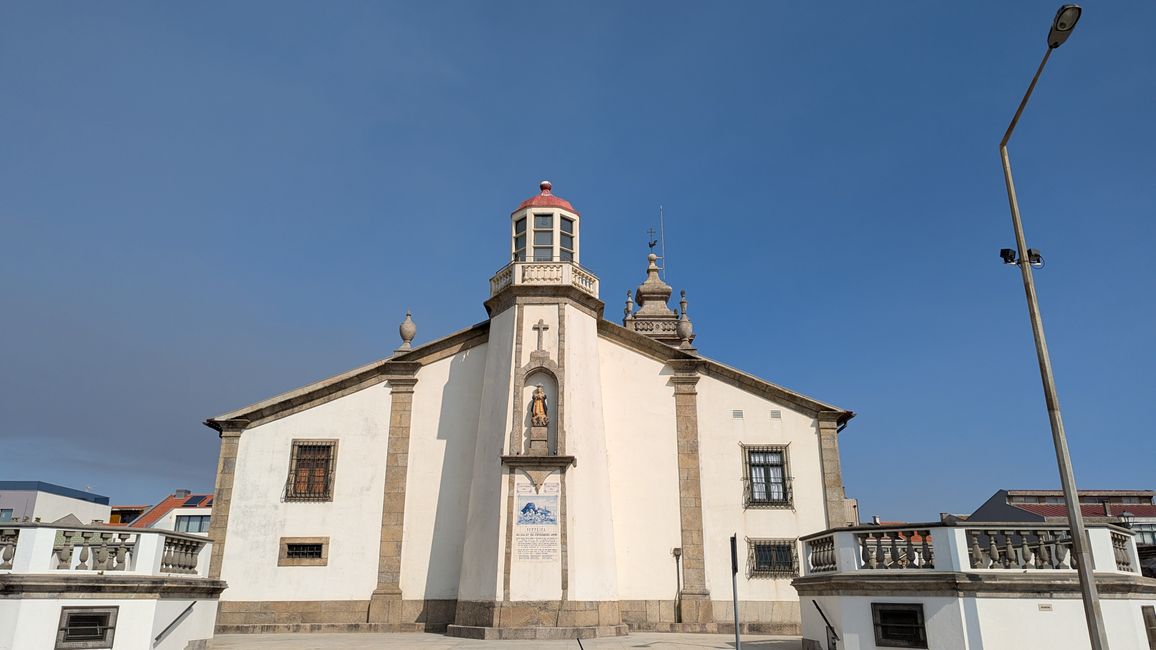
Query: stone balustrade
x=544 y=273
x=34 y=548
x=966 y=547
x=907 y=548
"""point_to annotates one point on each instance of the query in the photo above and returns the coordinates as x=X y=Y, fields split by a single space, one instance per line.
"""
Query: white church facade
x=545 y=473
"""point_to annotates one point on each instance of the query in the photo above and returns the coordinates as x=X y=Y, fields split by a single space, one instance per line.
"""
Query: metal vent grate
x=776 y=415
x=737 y=414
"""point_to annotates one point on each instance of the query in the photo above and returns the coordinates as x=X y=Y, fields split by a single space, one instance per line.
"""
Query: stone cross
x=540 y=327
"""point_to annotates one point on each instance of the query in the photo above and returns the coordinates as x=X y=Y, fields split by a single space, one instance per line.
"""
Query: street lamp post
x=1062 y=26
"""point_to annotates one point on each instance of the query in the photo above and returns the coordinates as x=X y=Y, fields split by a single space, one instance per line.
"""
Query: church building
x=545 y=473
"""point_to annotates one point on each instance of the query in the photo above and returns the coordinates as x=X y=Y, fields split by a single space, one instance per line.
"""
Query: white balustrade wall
x=40 y=548
x=966 y=547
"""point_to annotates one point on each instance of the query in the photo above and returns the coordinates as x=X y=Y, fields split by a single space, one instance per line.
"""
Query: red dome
x=546 y=199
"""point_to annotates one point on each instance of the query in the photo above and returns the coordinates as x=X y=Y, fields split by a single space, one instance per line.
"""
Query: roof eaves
x=666 y=353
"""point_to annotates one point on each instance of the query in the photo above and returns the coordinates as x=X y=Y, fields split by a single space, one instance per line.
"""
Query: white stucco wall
x=721 y=437
x=31 y=624
x=983 y=623
x=482 y=554
x=443 y=434
x=259 y=516
x=642 y=462
x=589 y=509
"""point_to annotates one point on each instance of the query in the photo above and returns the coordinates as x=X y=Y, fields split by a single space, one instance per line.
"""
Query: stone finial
x=407 y=329
x=546 y=187
x=685 y=328
x=628 y=312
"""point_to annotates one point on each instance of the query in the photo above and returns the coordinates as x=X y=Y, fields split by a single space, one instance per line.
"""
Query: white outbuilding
x=545 y=473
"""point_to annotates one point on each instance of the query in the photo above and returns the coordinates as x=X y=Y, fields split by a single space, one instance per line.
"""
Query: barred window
x=303 y=551
x=86 y=627
x=772 y=558
x=898 y=626
x=765 y=477
x=297 y=551
x=311 y=466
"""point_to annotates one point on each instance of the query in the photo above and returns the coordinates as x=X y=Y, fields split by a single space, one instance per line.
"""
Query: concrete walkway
x=656 y=641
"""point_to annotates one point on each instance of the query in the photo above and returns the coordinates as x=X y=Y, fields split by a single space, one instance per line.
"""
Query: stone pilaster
x=385 y=605
x=695 y=597
x=833 y=494
x=230 y=431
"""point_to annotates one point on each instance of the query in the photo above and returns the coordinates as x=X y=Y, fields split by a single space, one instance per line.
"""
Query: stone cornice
x=545 y=293
x=703 y=365
x=107 y=586
x=993 y=584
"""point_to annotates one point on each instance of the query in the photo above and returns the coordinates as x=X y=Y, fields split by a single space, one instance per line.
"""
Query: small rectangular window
x=311 y=470
x=520 y=225
x=543 y=238
x=737 y=414
x=543 y=221
x=766 y=481
x=567 y=225
x=520 y=242
x=86 y=627
x=566 y=256
x=772 y=558
x=566 y=241
x=543 y=254
x=6 y=514
x=303 y=551
x=898 y=626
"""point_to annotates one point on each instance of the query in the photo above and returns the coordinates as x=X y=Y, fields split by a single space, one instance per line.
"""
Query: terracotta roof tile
x=167 y=505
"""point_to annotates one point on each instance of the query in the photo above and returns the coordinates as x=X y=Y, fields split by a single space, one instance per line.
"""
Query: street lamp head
x=1062 y=26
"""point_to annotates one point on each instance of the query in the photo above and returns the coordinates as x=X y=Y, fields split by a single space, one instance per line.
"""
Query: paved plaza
x=657 y=641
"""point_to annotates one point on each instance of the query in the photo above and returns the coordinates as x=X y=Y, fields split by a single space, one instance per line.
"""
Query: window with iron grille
x=766 y=484
x=300 y=551
x=898 y=625
x=772 y=558
x=311 y=466
x=303 y=551
x=86 y=627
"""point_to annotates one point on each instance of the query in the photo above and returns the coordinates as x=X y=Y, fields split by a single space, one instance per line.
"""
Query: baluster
x=1043 y=559
x=167 y=556
x=883 y=549
x=926 y=555
x=977 y=556
x=8 y=537
x=1026 y=559
x=908 y=561
x=63 y=550
x=895 y=551
x=186 y=556
x=992 y=549
x=103 y=552
x=1009 y=550
x=1062 y=555
x=84 y=548
x=829 y=555
x=868 y=551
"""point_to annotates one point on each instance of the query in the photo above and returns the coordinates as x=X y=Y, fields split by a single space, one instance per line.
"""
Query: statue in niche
x=539 y=416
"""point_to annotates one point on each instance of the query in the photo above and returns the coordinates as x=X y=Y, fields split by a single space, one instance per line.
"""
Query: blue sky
x=203 y=205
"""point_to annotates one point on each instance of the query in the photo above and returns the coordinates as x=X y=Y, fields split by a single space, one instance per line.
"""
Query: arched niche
x=549 y=386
